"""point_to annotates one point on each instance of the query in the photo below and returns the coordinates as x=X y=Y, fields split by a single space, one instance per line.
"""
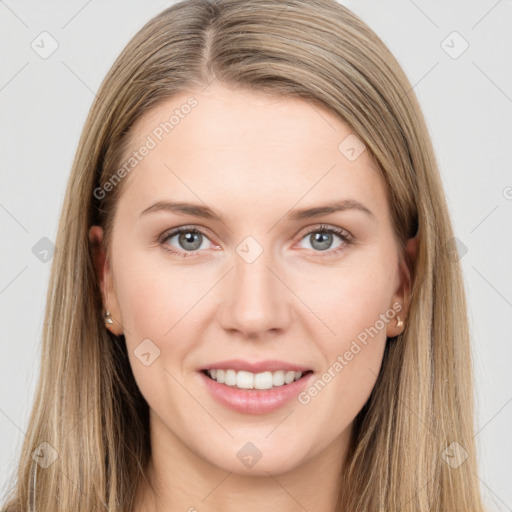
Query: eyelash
x=346 y=238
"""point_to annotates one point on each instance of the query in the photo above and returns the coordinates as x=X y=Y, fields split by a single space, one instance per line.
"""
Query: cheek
x=157 y=306
x=351 y=300
x=153 y=297
x=354 y=345
x=156 y=300
x=355 y=309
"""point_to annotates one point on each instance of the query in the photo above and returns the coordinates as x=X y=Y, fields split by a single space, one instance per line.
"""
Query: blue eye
x=321 y=238
x=190 y=240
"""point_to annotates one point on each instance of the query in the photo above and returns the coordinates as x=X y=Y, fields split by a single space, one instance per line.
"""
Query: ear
x=105 y=279
x=401 y=295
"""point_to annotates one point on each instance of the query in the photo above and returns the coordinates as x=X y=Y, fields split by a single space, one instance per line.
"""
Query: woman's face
x=257 y=282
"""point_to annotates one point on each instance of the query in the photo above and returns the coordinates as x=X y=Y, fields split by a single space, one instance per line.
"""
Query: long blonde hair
x=88 y=407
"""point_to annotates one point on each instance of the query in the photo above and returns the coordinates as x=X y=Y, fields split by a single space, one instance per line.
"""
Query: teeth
x=248 y=380
x=289 y=377
x=230 y=378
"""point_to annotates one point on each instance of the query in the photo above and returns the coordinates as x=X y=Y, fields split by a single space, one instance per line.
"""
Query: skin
x=251 y=159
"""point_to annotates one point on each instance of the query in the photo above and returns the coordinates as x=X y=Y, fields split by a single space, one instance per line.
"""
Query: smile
x=254 y=393
x=249 y=380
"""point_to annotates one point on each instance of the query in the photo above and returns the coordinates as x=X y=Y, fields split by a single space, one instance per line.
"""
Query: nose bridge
x=257 y=298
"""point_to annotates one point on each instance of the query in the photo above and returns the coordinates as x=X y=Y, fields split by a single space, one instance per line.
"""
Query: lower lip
x=255 y=401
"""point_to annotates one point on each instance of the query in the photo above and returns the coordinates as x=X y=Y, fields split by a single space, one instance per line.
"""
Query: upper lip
x=271 y=365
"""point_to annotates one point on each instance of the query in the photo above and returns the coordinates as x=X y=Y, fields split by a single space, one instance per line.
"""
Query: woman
x=255 y=304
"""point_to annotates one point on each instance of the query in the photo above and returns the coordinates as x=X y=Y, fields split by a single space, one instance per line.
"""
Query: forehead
x=228 y=146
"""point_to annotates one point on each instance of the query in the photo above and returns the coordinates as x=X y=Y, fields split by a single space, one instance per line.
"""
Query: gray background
x=467 y=102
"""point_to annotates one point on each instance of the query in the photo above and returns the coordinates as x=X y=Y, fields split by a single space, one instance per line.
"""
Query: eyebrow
x=336 y=206
x=205 y=212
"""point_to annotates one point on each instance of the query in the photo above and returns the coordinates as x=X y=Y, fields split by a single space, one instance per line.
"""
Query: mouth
x=255 y=387
x=255 y=381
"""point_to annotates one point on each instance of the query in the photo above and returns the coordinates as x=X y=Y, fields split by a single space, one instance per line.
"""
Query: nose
x=257 y=300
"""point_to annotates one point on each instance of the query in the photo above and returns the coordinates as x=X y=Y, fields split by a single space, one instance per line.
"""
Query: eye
x=189 y=240
x=321 y=239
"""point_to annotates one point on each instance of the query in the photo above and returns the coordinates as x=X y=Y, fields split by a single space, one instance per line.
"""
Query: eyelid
x=346 y=237
x=324 y=227
x=190 y=227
